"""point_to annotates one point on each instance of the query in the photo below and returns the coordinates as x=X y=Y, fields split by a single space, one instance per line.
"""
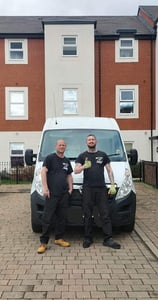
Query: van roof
x=81 y=123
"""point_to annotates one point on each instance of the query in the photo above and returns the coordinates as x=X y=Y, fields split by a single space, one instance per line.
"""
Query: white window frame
x=118 y=47
x=8 y=94
x=128 y=146
x=16 y=146
x=135 y=90
x=70 y=101
x=69 y=45
x=24 y=49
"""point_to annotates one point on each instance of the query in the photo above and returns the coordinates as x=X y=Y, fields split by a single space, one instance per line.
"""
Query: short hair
x=91 y=134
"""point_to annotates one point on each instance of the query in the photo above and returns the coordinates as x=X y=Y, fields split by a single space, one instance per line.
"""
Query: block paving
x=75 y=273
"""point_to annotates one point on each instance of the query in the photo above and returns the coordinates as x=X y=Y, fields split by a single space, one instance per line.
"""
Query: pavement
x=95 y=273
x=147 y=216
x=146 y=225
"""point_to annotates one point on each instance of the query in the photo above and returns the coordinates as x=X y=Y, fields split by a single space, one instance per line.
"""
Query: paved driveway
x=69 y=273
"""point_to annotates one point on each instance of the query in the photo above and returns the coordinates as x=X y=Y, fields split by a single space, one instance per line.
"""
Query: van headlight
x=38 y=182
x=126 y=186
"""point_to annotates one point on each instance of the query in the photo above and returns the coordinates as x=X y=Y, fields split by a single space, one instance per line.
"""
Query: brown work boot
x=62 y=243
x=42 y=248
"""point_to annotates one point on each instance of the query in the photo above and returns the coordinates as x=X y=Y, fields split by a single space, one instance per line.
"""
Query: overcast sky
x=72 y=7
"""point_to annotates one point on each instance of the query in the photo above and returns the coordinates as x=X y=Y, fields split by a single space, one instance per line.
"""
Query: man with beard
x=92 y=163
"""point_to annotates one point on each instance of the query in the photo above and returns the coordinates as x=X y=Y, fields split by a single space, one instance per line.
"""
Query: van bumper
x=122 y=211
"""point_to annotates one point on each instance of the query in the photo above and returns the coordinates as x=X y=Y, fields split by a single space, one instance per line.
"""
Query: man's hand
x=46 y=192
x=112 y=190
x=87 y=164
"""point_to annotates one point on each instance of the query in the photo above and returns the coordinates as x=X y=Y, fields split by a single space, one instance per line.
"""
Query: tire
x=129 y=228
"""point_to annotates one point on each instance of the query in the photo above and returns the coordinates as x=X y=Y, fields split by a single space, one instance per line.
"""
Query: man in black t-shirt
x=92 y=163
x=57 y=187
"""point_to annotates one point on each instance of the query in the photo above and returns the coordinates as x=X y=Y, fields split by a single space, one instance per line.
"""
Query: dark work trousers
x=55 y=208
x=98 y=197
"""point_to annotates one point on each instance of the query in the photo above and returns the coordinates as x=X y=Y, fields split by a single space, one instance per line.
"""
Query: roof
x=105 y=26
x=81 y=123
x=151 y=11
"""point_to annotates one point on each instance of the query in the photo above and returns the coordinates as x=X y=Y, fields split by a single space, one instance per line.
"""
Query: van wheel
x=129 y=227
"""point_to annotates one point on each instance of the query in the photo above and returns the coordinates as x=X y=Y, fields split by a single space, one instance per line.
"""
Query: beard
x=91 y=146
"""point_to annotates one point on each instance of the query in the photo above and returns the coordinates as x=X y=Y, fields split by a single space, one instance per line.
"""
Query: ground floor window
x=17 y=154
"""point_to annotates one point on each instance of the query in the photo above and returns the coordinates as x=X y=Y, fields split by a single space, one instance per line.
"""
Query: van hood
x=119 y=169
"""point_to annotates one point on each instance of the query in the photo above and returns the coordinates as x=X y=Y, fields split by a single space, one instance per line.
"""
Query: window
x=127 y=101
x=107 y=140
x=128 y=146
x=16 y=52
x=126 y=50
x=70 y=101
x=16 y=103
x=17 y=154
x=69 y=46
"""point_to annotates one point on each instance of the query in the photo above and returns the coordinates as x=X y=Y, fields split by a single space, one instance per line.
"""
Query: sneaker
x=42 y=248
x=62 y=243
x=111 y=243
x=87 y=243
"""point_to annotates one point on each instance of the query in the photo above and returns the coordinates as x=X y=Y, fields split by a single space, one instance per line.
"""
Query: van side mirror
x=29 y=157
x=133 y=157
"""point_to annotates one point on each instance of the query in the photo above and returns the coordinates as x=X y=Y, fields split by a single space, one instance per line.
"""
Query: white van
x=74 y=131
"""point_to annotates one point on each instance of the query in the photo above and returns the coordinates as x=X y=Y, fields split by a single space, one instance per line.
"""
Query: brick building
x=79 y=66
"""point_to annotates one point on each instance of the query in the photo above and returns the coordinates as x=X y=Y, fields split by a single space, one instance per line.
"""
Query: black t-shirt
x=58 y=169
x=94 y=176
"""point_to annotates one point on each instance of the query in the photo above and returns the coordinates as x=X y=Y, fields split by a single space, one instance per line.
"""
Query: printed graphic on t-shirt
x=99 y=160
x=65 y=166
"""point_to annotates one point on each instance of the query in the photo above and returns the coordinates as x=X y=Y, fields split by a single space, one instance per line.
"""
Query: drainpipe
x=151 y=93
x=99 y=71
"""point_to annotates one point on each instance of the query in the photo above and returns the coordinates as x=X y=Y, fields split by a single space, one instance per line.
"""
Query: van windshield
x=108 y=141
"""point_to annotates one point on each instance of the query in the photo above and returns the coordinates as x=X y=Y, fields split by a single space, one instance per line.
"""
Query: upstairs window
x=69 y=46
x=16 y=52
x=16 y=103
x=70 y=101
x=127 y=101
x=126 y=50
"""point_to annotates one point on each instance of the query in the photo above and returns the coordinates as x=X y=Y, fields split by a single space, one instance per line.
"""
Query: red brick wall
x=29 y=75
x=112 y=74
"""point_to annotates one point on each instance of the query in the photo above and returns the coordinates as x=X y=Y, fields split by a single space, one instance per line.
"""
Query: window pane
x=69 y=40
x=69 y=50
x=70 y=108
x=16 y=97
x=126 y=107
x=128 y=146
x=17 y=147
x=126 y=52
x=16 y=45
x=16 y=54
x=126 y=43
x=70 y=95
x=126 y=95
x=17 y=110
x=16 y=104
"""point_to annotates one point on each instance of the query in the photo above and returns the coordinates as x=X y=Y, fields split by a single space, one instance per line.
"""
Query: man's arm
x=78 y=168
x=44 y=181
x=70 y=183
x=110 y=173
x=112 y=189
